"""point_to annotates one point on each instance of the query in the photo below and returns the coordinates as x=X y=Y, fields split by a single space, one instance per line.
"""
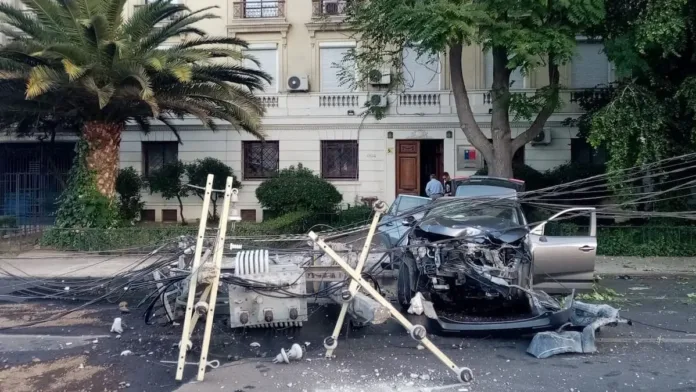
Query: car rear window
x=486 y=191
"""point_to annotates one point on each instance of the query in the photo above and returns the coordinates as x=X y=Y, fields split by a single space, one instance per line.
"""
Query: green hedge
x=126 y=238
x=641 y=241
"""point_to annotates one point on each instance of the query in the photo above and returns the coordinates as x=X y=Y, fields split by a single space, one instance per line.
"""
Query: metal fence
x=32 y=177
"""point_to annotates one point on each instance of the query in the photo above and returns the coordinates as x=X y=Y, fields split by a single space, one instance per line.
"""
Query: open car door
x=564 y=262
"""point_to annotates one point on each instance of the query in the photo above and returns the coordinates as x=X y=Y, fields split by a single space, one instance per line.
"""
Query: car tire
x=403 y=285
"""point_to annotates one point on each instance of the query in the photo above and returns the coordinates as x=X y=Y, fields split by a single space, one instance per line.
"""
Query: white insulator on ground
x=117 y=326
x=250 y=262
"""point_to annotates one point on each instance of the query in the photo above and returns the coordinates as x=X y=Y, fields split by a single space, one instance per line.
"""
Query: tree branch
x=545 y=113
x=461 y=99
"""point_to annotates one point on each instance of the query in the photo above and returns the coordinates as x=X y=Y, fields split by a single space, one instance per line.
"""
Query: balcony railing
x=326 y=8
x=256 y=9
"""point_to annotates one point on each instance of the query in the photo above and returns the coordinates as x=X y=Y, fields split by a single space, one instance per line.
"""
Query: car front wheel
x=404 y=284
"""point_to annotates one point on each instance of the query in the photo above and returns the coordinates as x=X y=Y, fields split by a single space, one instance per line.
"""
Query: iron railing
x=255 y=9
x=324 y=8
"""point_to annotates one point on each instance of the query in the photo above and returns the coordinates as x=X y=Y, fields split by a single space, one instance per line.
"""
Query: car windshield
x=406 y=202
x=457 y=210
x=485 y=191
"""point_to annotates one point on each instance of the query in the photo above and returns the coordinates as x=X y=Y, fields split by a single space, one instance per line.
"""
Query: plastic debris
x=255 y=345
x=117 y=326
x=416 y=304
x=126 y=353
x=591 y=317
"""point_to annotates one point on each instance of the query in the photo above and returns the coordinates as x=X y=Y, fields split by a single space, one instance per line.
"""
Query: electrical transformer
x=254 y=308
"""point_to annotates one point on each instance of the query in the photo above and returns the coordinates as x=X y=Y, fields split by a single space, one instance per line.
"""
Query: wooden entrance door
x=408 y=167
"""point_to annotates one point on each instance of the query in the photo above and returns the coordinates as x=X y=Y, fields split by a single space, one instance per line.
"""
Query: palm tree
x=80 y=62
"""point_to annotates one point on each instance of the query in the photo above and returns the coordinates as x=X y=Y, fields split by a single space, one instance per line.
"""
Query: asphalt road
x=380 y=358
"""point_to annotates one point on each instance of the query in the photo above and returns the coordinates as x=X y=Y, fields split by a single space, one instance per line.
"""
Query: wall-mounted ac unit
x=543 y=138
x=378 y=100
x=298 y=83
x=331 y=7
x=379 y=77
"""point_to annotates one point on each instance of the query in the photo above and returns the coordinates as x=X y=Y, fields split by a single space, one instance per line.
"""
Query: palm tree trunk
x=104 y=141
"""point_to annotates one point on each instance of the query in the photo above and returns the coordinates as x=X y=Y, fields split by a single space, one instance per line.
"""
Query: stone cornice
x=344 y=126
x=279 y=26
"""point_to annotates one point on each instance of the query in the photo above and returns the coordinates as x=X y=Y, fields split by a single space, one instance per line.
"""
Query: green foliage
x=8 y=221
x=524 y=34
x=69 y=62
x=353 y=215
x=129 y=184
x=198 y=175
x=642 y=241
x=573 y=171
x=170 y=182
x=131 y=238
x=291 y=223
x=81 y=204
x=297 y=189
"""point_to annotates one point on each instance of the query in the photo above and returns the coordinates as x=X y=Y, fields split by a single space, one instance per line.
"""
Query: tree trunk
x=181 y=210
x=501 y=164
x=464 y=112
x=104 y=141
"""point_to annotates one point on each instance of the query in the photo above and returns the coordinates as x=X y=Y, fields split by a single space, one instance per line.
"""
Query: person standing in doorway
x=447 y=182
x=434 y=188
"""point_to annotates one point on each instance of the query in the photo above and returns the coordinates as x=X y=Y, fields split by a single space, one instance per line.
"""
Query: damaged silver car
x=480 y=267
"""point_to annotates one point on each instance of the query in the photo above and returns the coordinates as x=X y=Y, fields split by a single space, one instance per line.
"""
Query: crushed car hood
x=503 y=229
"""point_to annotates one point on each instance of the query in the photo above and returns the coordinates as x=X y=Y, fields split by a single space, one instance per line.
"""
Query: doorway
x=416 y=160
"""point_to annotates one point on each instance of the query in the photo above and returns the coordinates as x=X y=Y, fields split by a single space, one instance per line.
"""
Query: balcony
x=258 y=9
x=406 y=103
x=328 y=8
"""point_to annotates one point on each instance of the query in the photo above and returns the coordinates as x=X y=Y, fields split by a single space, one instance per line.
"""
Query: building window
x=517 y=80
x=582 y=152
x=322 y=8
x=248 y=215
x=339 y=159
x=590 y=66
x=267 y=58
x=158 y=154
x=252 y=9
x=170 y=215
x=332 y=64
x=147 y=215
x=421 y=73
x=261 y=159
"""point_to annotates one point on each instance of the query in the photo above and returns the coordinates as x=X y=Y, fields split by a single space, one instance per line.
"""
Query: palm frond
x=41 y=79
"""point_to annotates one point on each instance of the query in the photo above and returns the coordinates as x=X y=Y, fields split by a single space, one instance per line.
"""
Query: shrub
x=128 y=186
x=170 y=182
x=353 y=215
x=8 y=221
x=198 y=175
x=297 y=189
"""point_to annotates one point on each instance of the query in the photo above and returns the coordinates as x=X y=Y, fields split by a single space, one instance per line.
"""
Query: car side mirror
x=408 y=221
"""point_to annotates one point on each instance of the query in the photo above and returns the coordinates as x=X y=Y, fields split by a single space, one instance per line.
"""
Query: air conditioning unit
x=331 y=8
x=543 y=138
x=379 y=77
x=378 y=100
x=298 y=83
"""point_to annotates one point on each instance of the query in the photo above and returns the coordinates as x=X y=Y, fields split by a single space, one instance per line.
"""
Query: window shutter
x=516 y=77
x=421 y=73
x=269 y=64
x=331 y=63
x=590 y=66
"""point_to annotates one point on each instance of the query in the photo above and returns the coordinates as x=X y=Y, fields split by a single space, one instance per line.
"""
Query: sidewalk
x=45 y=264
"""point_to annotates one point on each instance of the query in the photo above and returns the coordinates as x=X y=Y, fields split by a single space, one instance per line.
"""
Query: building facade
x=314 y=120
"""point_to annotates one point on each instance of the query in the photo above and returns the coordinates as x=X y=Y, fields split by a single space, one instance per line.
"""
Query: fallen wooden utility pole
x=185 y=342
x=331 y=342
x=417 y=332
